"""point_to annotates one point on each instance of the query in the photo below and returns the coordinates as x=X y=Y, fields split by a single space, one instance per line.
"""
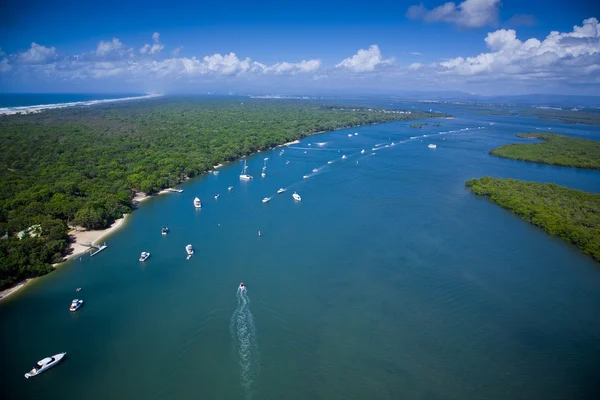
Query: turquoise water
x=389 y=280
x=34 y=99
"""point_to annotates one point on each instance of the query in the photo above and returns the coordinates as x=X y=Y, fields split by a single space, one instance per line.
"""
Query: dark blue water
x=389 y=280
x=34 y=99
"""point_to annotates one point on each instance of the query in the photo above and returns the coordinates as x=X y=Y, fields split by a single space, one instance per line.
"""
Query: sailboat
x=263 y=174
x=244 y=176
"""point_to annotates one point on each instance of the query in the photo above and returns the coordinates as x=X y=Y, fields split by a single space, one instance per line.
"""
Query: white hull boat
x=197 y=203
x=45 y=364
x=432 y=146
x=75 y=304
x=297 y=197
x=344 y=157
x=189 y=249
x=266 y=199
x=144 y=256
x=281 y=190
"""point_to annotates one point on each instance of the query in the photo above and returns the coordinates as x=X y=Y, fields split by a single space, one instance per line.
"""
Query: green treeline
x=82 y=166
x=570 y=214
x=555 y=150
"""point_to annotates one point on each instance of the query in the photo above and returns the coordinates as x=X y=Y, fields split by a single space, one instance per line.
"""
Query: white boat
x=215 y=172
x=393 y=144
x=281 y=190
x=263 y=175
x=242 y=287
x=362 y=151
x=344 y=157
x=244 y=176
x=297 y=197
x=287 y=162
x=44 y=364
x=75 y=304
x=144 y=256
x=315 y=170
x=355 y=133
x=230 y=188
x=266 y=199
x=329 y=162
x=281 y=152
x=309 y=144
x=189 y=249
x=217 y=196
x=164 y=230
x=349 y=135
x=432 y=146
x=305 y=177
x=197 y=203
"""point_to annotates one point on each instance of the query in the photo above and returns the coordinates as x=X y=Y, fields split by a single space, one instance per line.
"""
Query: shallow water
x=389 y=280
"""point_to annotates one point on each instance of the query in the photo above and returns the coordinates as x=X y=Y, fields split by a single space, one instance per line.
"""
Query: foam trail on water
x=243 y=333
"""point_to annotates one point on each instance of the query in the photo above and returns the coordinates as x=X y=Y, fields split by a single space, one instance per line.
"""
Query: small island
x=418 y=126
x=572 y=215
x=554 y=150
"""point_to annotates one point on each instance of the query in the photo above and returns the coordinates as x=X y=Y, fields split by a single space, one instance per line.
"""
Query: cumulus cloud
x=560 y=54
x=155 y=48
x=4 y=65
x=364 y=60
x=37 y=54
x=468 y=14
x=293 y=68
x=176 y=51
x=106 y=48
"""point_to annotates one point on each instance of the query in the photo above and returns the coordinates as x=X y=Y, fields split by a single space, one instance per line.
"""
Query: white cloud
x=415 y=66
x=4 y=65
x=560 y=54
x=293 y=68
x=154 y=48
x=415 y=53
x=176 y=51
x=37 y=54
x=106 y=48
x=364 y=60
x=468 y=14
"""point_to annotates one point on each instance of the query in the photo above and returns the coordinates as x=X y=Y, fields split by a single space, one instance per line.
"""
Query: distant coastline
x=42 y=107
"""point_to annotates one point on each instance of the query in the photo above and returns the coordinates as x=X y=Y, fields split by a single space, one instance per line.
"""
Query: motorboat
x=305 y=177
x=329 y=162
x=217 y=196
x=315 y=170
x=244 y=175
x=230 y=188
x=281 y=152
x=189 y=249
x=344 y=157
x=349 y=135
x=297 y=197
x=287 y=162
x=75 y=304
x=393 y=144
x=242 y=287
x=362 y=151
x=45 y=364
x=263 y=175
x=432 y=146
x=144 y=256
x=266 y=199
x=215 y=172
x=164 y=230
x=197 y=203
x=309 y=144
x=355 y=133
x=281 y=190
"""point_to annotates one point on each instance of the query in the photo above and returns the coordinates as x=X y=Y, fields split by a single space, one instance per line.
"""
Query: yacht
x=217 y=196
x=432 y=146
x=297 y=197
x=281 y=190
x=344 y=157
x=244 y=176
x=266 y=199
x=164 y=230
x=230 y=188
x=305 y=177
x=197 y=203
x=189 y=249
x=315 y=170
x=144 y=256
x=242 y=287
x=263 y=174
x=362 y=151
x=75 y=304
x=349 y=135
x=44 y=364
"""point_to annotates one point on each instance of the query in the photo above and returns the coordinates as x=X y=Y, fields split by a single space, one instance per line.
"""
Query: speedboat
x=144 y=256
x=305 y=176
x=263 y=174
x=44 y=364
x=297 y=197
x=287 y=162
x=164 y=230
x=349 y=135
x=281 y=152
x=355 y=133
x=393 y=144
x=230 y=188
x=266 y=199
x=315 y=170
x=362 y=151
x=281 y=190
x=197 y=203
x=344 y=157
x=75 y=304
x=189 y=249
x=216 y=196
x=432 y=146
x=329 y=162
x=242 y=287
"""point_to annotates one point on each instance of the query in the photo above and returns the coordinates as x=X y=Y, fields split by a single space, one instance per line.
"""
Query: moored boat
x=75 y=304
x=296 y=197
x=44 y=364
x=164 y=230
x=197 y=203
x=281 y=190
x=144 y=256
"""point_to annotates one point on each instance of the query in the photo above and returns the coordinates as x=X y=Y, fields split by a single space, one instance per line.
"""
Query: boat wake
x=243 y=333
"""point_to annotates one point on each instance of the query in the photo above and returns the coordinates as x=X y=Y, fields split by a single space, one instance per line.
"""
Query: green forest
x=570 y=214
x=82 y=166
x=554 y=150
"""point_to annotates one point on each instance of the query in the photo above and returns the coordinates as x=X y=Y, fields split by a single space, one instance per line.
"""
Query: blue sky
x=477 y=46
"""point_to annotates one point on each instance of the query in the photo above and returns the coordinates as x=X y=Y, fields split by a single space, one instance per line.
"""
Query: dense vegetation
x=570 y=214
x=82 y=166
x=555 y=150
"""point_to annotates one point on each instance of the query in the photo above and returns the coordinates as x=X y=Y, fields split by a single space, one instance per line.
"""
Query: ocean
x=389 y=280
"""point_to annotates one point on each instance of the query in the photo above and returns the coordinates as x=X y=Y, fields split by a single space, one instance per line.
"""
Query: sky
x=487 y=47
